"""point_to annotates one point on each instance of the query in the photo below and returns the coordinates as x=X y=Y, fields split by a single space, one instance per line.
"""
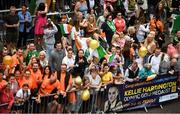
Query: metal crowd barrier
x=50 y=105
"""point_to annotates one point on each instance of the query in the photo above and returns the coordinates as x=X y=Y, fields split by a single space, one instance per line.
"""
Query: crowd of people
x=63 y=50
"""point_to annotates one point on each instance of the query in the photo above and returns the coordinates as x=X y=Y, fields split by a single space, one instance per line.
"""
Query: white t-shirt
x=22 y=95
x=155 y=62
x=68 y=61
x=96 y=81
x=91 y=3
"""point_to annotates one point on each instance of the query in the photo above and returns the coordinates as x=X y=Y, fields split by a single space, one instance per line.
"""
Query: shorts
x=12 y=37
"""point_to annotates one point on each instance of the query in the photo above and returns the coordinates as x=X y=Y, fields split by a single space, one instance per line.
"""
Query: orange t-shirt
x=31 y=82
x=15 y=61
x=47 y=87
x=37 y=76
x=19 y=80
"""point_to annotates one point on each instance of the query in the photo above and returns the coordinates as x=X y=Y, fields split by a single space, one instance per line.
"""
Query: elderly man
x=113 y=104
x=131 y=73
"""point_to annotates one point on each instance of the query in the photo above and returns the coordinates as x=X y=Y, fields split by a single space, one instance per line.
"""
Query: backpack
x=131 y=5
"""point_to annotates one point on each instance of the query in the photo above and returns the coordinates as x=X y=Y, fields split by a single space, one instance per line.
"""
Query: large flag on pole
x=176 y=24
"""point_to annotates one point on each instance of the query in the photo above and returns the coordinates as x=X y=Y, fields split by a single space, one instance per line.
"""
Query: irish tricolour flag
x=100 y=52
x=65 y=28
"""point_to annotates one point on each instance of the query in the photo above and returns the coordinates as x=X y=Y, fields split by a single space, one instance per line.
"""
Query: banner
x=141 y=94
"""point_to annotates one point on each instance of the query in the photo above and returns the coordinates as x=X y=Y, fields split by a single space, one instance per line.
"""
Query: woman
x=95 y=79
x=75 y=33
x=81 y=6
x=106 y=75
x=80 y=64
x=150 y=44
x=109 y=28
x=90 y=13
x=95 y=85
x=6 y=98
x=119 y=59
x=32 y=61
x=40 y=21
x=119 y=78
x=119 y=23
x=132 y=33
x=91 y=26
x=42 y=59
x=47 y=73
x=118 y=40
x=49 y=36
x=161 y=12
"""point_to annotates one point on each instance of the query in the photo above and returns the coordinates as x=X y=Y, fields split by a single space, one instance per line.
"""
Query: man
x=56 y=57
x=36 y=74
x=113 y=104
x=131 y=73
x=172 y=70
x=25 y=25
x=17 y=58
x=12 y=24
x=30 y=52
x=65 y=83
x=27 y=78
x=155 y=60
x=69 y=60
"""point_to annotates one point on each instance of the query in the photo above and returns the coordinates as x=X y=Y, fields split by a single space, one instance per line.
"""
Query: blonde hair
x=42 y=52
x=115 y=36
x=131 y=30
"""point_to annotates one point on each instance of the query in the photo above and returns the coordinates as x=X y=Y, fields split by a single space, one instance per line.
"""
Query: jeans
x=49 y=48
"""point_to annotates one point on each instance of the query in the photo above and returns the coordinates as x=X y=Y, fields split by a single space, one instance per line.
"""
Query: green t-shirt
x=31 y=54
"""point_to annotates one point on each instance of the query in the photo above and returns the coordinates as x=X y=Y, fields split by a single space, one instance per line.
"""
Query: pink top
x=120 y=43
x=6 y=98
x=39 y=24
x=120 y=24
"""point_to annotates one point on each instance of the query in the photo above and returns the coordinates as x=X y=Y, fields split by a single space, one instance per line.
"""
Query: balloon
x=78 y=80
x=94 y=44
x=85 y=95
x=7 y=60
x=142 y=52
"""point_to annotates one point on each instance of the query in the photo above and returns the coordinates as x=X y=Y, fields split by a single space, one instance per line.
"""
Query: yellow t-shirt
x=107 y=77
